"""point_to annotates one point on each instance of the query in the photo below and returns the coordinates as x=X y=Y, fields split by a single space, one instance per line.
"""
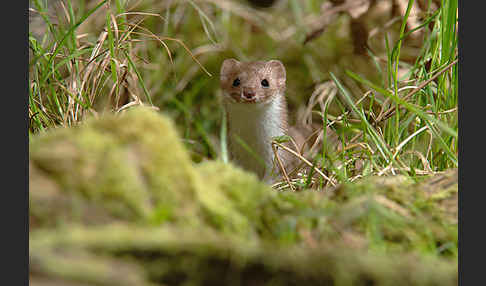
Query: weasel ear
x=226 y=68
x=278 y=71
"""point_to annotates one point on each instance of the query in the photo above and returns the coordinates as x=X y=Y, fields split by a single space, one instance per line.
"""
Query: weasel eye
x=236 y=82
x=265 y=83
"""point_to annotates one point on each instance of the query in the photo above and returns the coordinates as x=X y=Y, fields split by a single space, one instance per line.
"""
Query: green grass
x=106 y=56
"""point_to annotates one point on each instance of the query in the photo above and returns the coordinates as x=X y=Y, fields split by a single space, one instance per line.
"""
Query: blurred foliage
x=118 y=199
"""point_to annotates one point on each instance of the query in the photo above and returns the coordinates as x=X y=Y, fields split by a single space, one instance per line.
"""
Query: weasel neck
x=251 y=128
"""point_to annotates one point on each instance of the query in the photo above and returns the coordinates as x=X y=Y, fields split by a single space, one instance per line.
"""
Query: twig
x=282 y=167
x=304 y=160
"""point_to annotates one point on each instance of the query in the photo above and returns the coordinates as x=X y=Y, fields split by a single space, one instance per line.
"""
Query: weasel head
x=252 y=82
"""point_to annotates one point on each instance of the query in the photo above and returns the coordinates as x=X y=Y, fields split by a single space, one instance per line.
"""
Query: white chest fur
x=254 y=125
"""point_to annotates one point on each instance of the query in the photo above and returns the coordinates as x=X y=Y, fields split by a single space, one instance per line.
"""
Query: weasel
x=256 y=110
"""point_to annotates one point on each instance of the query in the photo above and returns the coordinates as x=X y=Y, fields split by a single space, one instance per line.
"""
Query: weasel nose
x=249 y=94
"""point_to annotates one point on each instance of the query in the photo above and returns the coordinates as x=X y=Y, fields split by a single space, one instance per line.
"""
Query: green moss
x=130 y=164
x=236 y=204
x=184 y=256
x=122 y=190
x=135 y=166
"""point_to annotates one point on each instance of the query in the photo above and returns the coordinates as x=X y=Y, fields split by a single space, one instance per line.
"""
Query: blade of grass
x=140 y=79
x=71 y=30
x=249 y=150
x=223 y=137
x=111 y=45
x=415 y=110
x=407 y=105
x=380 y=144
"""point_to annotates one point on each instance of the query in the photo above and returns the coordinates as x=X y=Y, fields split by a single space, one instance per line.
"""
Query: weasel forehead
x=252 y=70
x=255 y=68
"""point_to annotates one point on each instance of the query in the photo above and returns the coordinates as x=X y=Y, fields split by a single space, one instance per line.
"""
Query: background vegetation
x=350 y=65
